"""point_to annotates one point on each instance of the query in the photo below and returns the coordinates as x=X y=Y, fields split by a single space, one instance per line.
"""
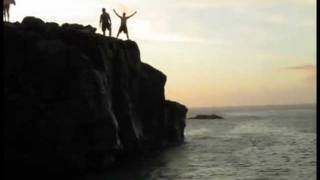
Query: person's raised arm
x=132 y=14
x=116 y=13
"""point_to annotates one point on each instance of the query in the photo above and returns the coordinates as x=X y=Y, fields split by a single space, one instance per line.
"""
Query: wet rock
x=175 y=115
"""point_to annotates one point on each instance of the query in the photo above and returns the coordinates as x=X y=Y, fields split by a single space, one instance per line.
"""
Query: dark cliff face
x=75 y=99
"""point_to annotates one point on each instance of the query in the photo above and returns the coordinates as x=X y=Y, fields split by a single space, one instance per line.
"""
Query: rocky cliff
x=77 y=100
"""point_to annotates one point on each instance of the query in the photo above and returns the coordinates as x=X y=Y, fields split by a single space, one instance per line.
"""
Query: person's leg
x=127 y=35
x=8 y=13
x=119 y=32
x=4 y=13
x=104 y=28
x=127 y=32
x=110 y=33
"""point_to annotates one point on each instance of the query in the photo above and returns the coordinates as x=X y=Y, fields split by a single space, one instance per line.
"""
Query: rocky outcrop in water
x=77 y=100
x=204 y=116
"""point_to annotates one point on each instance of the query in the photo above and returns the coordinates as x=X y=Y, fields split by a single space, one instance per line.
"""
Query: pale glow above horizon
x=215 y=53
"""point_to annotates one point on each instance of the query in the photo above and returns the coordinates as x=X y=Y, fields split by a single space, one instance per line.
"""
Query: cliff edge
x=78 y=100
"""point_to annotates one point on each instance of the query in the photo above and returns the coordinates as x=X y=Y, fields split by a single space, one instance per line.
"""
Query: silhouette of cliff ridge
x=78 y=100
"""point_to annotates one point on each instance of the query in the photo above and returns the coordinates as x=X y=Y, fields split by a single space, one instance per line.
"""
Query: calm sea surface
x=251 y=143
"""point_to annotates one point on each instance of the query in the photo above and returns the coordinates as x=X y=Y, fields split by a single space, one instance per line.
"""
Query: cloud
x=311 y=78
x=308 y=70
x=306 y=67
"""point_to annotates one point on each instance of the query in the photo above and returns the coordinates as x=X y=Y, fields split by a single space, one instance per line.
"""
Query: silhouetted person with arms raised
x=6 y=8
x=105 y=22
x=123 y=25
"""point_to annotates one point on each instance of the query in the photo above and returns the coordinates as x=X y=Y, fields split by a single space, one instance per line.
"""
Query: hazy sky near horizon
x=214 y=52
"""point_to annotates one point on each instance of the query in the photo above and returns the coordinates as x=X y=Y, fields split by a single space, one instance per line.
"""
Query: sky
x=214 y=52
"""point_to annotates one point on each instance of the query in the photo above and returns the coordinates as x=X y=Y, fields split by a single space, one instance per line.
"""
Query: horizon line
x=261 y=105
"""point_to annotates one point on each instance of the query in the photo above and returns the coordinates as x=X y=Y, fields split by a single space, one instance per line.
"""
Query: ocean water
x=251 y=143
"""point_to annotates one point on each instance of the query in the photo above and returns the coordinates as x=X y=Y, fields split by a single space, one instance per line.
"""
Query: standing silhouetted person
x=6 y=8
x=105 y=22
x=123 y=25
